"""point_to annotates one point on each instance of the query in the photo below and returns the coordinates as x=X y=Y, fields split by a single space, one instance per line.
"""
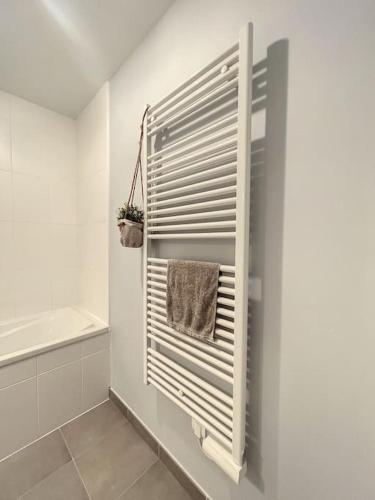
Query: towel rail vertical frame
x=146 y=249
x=242 y=240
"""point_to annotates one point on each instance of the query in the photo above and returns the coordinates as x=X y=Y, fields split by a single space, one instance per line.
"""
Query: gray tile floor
x=98 y=456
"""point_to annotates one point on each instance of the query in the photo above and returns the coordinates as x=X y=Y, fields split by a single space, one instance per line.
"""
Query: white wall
x=38 y=219
x=313 y=424
x=93 y=170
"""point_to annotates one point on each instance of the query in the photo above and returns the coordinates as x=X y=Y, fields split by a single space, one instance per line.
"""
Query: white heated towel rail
x=197 y=183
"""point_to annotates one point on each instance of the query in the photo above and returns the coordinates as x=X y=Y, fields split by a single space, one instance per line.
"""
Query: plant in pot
x=130 y=223
x=130 y=216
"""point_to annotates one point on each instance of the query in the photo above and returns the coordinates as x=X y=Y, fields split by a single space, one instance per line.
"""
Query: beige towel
x=191 y=297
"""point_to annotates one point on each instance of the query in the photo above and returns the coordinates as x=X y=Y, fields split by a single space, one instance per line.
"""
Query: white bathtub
x=29 y=336
x=53 y=367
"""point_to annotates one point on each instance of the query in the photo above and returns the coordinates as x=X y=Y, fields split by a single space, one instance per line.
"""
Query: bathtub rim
x=35 y=350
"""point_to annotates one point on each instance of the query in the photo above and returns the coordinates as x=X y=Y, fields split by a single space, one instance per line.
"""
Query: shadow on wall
x=266 y=243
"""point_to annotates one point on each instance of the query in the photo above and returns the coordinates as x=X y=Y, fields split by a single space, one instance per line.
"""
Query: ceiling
x=57 y=53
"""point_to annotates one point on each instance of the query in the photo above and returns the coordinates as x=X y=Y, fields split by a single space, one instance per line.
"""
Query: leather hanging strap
x=138 y=165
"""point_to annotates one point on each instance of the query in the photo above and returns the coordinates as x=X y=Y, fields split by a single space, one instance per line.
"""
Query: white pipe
x=212 y=150
x=210 y=140
x=217 y=82
x=217 y=125
x=217 y=393
x=196 y=105
x=226 y=344
x=216 y=181
x=227 y=57
x=164 y=262
x=162 y=276
x=186 y=344
x=228 y=157
x=211 y=348
x=219 y=310
x=198 y=389
x=195 y=394
x=222 y=202
x=192 y=177
x=221 y=290
x=174 y=397
x=200 y=215
x=194 y=196
x=195 y=225
x=191 y=236
x=192 y=359
x=242 y=241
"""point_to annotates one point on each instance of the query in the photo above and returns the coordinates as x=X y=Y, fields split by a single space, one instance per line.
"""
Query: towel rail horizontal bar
x=162 y=277
x=225 y=58
x=199 y=154
x=198 y=176
x=157 y=316
x=211 y=354
x=206 y=164
x=191 y=350
x=175 y=398
x=217 y=393
x=222 y=202
x=163 y=262
x=194 y=196
x=191 y=236
x=216 y=181
x=219 y=332
x=218 y=342
x=207 y=99
x=161 y=316
x=215 y=138
x=214 y=127
x=220 y=421
x=195 y=225
x=216 y=82
x=192 y=359
x=200 y=215
x=212 y=348
x=222 y=108
x=219 y=310
x=198 y=389
x=224 y=322
x=161 y=265
x=163 y=286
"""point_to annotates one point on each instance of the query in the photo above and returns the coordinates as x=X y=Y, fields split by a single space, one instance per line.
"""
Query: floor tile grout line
x=55 y=429
x=43 y=480
x=98 y=441
x=75 y=464
x=138 y=478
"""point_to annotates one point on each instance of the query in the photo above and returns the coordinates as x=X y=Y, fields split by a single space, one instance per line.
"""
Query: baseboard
x=182 y=476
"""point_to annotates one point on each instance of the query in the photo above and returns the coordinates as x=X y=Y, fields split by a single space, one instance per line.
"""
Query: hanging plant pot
x=131 y=233
x=130 y=217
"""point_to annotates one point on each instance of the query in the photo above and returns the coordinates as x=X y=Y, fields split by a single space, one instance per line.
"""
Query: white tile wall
x=93 y=171
x=95 y=378
x=5 y=155
x=6 y=202
x=60 y=396
x=42 y=393
x=18 y=416
x=38 y=209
